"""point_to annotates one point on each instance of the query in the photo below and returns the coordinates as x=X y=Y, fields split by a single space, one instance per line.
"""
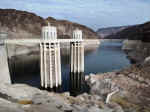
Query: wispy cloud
x=93 y=13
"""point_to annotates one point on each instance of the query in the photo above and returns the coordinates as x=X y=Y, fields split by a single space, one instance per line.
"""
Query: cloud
x=93 y=13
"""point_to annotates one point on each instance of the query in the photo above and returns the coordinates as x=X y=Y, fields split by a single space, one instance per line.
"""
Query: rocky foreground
x=132 y=86
x=22 y=98
x=127 y=90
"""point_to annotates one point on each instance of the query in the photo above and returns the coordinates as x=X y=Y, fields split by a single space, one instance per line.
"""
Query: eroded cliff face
x=65 y=28
x=108 y=33
x=22 y=24
x=136 y=32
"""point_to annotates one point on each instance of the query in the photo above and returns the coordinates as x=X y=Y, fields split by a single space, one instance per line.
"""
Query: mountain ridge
x=105 y=32
x=23 y=24
x=136 y=32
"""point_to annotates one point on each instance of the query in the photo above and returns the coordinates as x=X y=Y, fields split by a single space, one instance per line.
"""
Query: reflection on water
x=106 y=58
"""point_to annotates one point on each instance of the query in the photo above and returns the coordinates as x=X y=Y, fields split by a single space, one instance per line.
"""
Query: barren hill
x=22 y=24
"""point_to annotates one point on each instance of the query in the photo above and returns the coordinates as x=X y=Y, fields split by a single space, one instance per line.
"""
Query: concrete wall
x=4 y=71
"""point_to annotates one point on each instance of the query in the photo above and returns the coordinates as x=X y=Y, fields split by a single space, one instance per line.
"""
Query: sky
x=92 y=13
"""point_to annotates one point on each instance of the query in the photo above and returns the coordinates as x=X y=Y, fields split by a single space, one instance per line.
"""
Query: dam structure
x=77 y=63
x=4 y=70
x=50 y=58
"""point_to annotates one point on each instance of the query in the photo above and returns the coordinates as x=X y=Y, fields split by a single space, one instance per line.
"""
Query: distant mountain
x=105 y=32
x=22 y=24
x=137 y=32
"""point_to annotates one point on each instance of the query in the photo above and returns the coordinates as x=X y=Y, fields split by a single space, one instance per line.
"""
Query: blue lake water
x=108 y=57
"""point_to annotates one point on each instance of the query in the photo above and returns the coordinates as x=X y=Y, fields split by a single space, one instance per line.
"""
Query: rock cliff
x=136 y=32
x=22 y=24
x=107 y=33
x=65 y=28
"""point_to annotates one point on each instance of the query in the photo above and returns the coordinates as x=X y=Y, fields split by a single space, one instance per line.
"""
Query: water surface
x=108 y=57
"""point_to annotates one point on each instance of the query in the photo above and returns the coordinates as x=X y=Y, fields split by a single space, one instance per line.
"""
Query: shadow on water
x=108 y=57
x=25 y=69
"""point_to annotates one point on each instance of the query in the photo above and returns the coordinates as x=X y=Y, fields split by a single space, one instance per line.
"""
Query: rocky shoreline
x=132 y=95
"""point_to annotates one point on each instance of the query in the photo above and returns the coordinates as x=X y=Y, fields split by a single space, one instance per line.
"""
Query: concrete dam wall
x=5 y=78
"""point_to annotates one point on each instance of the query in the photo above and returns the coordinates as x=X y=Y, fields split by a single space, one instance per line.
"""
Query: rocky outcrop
x=133 y=94
x=22 y=98
x=29 y=99
x=99 y=86
x=22 y=24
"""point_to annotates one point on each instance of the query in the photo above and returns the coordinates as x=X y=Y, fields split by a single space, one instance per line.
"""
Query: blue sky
x=93 y=13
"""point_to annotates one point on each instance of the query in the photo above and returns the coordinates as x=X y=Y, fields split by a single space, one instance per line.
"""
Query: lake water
x=108 y=57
